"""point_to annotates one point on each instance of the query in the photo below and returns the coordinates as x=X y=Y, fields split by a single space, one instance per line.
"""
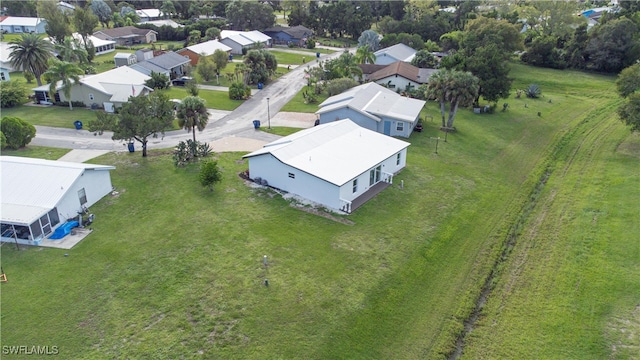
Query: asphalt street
x=222 y=125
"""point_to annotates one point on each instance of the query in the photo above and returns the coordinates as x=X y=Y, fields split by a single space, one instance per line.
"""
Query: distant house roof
x=368 y=69
x=245 y=38
x=405 y=70
x=123 y=55
x=36 y=185
x=374 y=101
x=147 y=68
x=169 y=60
x=120 y=83
x=400 y=52
x=166 y=22
x=149 y=13
x=208 y=47
x=336 y=152
x=297 y=32
x=122 y=32
x=21 y=21
x=66 y=5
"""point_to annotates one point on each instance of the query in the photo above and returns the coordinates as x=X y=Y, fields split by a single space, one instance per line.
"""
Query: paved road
x=222 y=126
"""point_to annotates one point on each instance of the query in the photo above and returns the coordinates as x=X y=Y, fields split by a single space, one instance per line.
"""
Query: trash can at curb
x=78 y=124
x=260 y=86
x=256 y=124
x=131 y=147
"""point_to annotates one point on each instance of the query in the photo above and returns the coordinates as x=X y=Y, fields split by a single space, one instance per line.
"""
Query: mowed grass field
x=173 y=270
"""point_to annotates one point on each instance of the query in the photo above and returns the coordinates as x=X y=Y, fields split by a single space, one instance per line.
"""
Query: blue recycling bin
x=131 y=147
x=318 y=55
x=256 y=124
x=78 y=124
x=230 y=57
x=260 y=86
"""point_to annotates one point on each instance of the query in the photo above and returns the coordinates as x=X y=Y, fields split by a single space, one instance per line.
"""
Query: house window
x=398 y=159
x=91 y=97
x=292 y=175
x=2 y=77
x=400 y=126
x=82 y=196
x=355 y=185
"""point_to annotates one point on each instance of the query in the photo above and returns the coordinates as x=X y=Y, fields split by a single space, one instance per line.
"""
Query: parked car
x=181 y=81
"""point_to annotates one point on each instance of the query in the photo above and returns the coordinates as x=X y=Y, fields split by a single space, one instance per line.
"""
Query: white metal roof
x=400 y=52
x=245 y=37
x=166 y=22
x=336 y=152
x=4 y=51
x=374 y=101
x=21 y=21
x=149 y=13
x=208 y=47
x=123 y=55
x=31 y=187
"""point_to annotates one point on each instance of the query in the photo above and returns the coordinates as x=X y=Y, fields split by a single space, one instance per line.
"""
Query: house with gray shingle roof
x=285 y=35
x=373 y=107
x=127 y=35
x=169 y=63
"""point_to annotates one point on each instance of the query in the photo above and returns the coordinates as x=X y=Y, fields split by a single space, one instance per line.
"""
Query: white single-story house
x=4 y=74
x=165 y=22
x=206 y=48
x=38 y=195
x=149 y=14
x=339 y=165
x=397 y=52
x=109 y=89
x=238 y=40
x=5 y=51
x=124 y=59
x=401 y=76
x=101 y=46
x=373 y=107
x=127 y=35
x=17 y=25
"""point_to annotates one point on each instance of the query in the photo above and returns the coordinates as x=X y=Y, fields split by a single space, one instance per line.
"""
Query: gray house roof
x=375 y=102
x=399 y=52
x=161 y=64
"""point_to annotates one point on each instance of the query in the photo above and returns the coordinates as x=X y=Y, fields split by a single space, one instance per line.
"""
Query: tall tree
x=70 y=50
x=364 y=55
x=371 y=38
x=206 y=68
x=628 y=86
x=192 y=114
x=85 y=21
x=552 y=18
x=102 y=11
x=220 y=58
x=249 y=15
x=31 y=53
x=65 y=72
x=424 y=59
x=454 y=87
x=141 y=118
x=613 y=46
x=58 y=25
x=168 y=9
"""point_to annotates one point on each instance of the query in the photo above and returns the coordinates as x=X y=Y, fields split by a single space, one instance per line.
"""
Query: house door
x=374 y=175
x=387 y=127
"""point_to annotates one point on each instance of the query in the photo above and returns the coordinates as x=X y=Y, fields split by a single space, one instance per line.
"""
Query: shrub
x=158 y=81
x=239 y=91
x=533 y=91
x=190 y=151
x=12 y=93
x=336 y=86
x=18 y=133
x=309 y=98
x=73 y=103
x=210 y=174
x=3 y=140
x=28 y=75
x=311 y=43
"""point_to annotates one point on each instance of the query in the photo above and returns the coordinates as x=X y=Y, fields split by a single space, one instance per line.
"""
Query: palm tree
x=30 y=53
x=192 y=113
x=65 y=72
x=364 y=55
x=456 y=87
x=71 y=50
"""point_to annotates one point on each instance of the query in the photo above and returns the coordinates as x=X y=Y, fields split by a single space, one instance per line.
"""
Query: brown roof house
x=127 y=35
x=398 y=75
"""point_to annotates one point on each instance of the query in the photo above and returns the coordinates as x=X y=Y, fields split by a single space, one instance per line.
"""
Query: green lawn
x=173 y=270
x=297 y=103
x=37 y=152
x=56 y=116
x=215 y=99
